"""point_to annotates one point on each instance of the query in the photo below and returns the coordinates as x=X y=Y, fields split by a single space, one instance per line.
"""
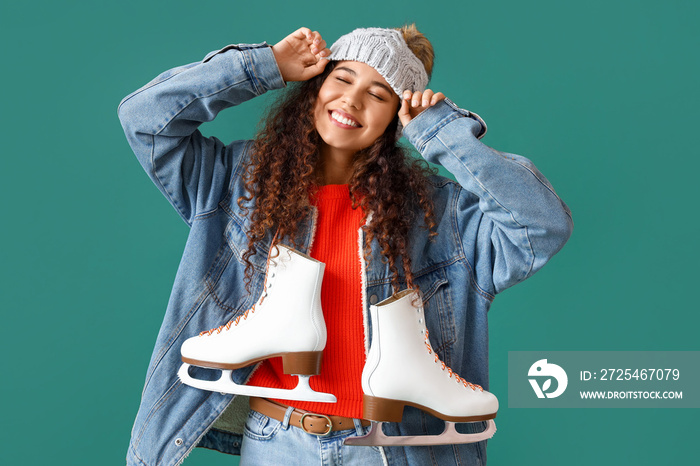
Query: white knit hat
x=386 y=51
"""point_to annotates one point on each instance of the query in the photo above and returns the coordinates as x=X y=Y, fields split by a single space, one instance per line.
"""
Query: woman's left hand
x=413 y=103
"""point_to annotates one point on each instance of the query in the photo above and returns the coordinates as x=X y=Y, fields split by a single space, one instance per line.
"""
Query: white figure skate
x=287 y=321
x=402 y=369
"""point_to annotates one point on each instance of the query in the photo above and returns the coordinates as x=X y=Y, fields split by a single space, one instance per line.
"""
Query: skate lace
x=448 y=369
x=234 y=322
x=230 y=323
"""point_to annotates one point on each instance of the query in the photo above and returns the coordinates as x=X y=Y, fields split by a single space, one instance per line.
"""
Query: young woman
x=326 y=177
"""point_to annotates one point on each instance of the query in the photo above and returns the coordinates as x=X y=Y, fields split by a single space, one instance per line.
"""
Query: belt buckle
x=324 y=434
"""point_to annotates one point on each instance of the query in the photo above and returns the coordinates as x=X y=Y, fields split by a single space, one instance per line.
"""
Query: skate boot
x=287 y=322
x=402 y=369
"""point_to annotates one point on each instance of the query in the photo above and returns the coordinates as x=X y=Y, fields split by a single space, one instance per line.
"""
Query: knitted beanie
x=386 y=51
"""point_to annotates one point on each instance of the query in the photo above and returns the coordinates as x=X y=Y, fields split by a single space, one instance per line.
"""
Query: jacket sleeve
x=160 y=121
x=509 y=219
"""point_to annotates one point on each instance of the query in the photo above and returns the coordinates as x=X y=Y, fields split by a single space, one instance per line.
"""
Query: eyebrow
x=376 y=83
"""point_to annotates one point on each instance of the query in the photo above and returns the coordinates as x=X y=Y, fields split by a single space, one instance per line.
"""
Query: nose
x=352 y=97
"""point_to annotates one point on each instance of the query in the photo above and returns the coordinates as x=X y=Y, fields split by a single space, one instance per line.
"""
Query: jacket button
x=373 y=299
x=178 y=441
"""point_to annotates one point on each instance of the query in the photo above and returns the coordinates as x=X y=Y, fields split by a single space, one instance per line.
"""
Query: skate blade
x=377 y=438
x=302 y=392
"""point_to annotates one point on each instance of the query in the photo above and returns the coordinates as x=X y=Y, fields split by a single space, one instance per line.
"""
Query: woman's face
x=354 y=107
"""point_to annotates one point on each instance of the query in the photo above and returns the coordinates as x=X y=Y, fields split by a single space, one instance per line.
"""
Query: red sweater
x=336 y=243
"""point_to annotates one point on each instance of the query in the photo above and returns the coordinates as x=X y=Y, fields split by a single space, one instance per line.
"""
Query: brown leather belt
x=311 y=423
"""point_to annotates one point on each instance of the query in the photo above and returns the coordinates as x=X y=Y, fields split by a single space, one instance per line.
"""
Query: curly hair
x=282 y=177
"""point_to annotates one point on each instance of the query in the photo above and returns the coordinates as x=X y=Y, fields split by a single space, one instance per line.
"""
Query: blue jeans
x=268 y=441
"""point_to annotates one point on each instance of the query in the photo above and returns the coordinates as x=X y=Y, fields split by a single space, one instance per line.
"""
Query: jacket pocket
x=225 y=278
x=439 y=311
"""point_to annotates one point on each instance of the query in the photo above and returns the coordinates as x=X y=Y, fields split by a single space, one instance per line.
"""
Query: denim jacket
x=497 y=225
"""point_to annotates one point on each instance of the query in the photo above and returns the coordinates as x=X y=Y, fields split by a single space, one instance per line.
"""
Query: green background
x=601 y=95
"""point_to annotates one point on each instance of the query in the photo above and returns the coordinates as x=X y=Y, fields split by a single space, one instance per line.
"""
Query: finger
x=416 y=99
x=317 y=68
x=427 y=96
x=301 y=33
x=404 y=110
x=325 y=53
x=318 y=46
x=317 y=42
x=321 y=65
x=437 y=98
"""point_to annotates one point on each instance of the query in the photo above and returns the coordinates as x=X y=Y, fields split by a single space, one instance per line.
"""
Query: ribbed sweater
x=336 y=243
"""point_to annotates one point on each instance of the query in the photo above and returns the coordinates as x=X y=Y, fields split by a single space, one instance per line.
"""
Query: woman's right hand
x=301 y=55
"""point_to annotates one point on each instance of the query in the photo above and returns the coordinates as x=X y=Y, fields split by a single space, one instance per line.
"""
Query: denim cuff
x=423 y=127
x=260 y=62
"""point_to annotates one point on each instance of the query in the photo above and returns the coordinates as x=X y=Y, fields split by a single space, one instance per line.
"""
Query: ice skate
x=402 y=369
x=286 y=321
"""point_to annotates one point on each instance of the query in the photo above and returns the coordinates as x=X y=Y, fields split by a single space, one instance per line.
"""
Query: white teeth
x=337 y=117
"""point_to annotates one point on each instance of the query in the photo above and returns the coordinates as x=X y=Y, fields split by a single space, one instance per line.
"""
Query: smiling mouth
x=343 y=121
